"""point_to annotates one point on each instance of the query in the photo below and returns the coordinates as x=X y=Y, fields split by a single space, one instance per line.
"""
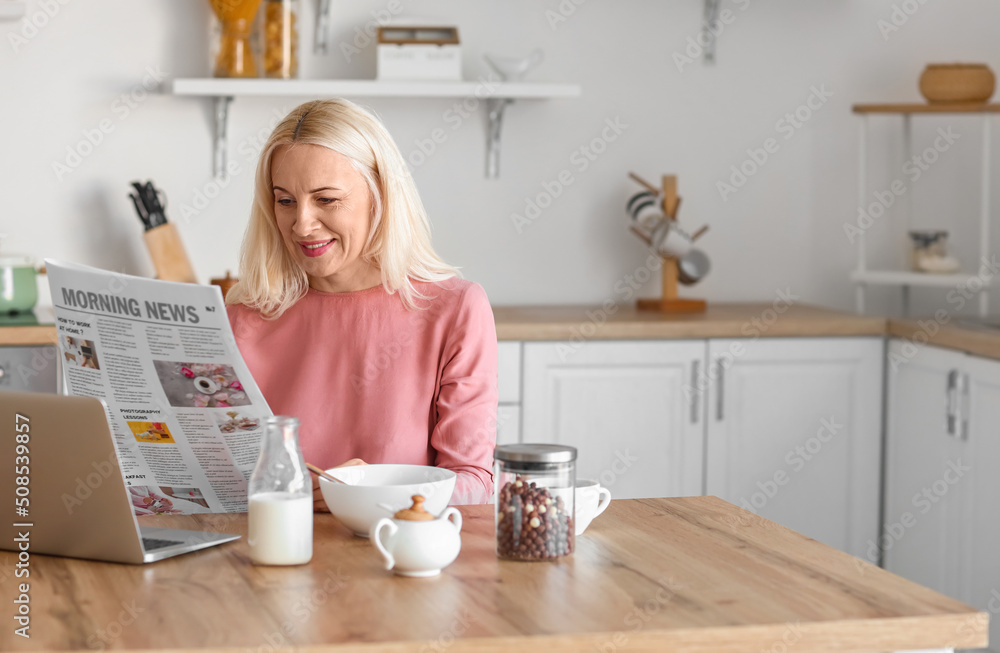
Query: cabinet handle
x=720 y=385
x=949 y=401
x=962 y=404
x=695 y=392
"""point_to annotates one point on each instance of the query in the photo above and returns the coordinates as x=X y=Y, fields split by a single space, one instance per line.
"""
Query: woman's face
x=323 y=210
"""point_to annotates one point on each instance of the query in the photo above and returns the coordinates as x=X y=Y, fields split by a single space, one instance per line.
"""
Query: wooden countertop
x=692 y=574
x=43 y=334
x=719 y=321
x=36 y=328
x=624 y=322
x=952 y=334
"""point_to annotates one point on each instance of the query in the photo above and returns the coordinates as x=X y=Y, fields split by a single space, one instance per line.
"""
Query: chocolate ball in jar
x=534 y=501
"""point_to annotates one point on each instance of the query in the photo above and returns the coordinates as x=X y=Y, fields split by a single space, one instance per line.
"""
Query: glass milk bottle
x=280 y=498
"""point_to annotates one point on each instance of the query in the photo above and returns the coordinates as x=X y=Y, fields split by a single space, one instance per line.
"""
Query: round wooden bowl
x=957 y=83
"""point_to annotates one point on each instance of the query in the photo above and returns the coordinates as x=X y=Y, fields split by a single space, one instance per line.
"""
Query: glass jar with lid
x=232 y=50
x=929 y=252
x=535 y=502
x=279 y=36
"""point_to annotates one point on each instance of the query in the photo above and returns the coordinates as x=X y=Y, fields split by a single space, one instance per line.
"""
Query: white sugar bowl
x=415 y=543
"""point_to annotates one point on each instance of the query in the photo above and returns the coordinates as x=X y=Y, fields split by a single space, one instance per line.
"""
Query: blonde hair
x=399 y=239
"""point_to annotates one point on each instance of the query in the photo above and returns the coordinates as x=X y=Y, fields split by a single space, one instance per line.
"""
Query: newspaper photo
x=186 y=415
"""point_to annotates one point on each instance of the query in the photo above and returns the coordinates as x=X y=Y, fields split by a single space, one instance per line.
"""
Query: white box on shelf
x=419 y=53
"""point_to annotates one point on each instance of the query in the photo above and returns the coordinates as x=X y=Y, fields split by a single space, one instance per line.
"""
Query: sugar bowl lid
x=535 y=453
x=416 y=512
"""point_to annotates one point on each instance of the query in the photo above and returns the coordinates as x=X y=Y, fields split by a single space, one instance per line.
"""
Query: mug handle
x=603 y=501
x=376 y=538
x=449 y=513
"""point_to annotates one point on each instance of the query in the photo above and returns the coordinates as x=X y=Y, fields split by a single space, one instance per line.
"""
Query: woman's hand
x=318 y=504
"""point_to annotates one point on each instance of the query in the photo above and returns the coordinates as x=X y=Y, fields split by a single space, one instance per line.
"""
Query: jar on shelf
x=929 y=252
x=232 y=49
x=535 y=492
x=279 y=35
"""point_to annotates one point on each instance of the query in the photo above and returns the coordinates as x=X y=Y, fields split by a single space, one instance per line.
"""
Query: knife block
x=167 y=251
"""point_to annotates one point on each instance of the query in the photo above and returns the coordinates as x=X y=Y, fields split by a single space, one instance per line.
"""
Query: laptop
x=77 y=503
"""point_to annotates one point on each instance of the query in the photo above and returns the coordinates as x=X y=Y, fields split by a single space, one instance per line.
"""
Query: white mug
x=591 y=501
x=671 y=241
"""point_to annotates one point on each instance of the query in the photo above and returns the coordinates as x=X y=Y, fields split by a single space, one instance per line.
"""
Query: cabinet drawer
x=509 y=370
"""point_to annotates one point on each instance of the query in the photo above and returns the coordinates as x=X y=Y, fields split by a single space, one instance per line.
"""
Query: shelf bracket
x=219 y=148
x=710 y=27
x=321 y=38
x=495 y=107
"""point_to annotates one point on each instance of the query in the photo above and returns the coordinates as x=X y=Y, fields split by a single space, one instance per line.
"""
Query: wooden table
x=688 y=574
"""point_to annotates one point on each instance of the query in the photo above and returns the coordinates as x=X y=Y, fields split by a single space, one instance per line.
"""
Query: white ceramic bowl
x=356 y=504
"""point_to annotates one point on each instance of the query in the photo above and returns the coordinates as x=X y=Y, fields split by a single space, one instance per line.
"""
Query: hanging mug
x=692 y=267
x=644 y=208
x=670 y=241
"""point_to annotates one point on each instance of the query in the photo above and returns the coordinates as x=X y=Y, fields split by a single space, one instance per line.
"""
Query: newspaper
x=185 y=413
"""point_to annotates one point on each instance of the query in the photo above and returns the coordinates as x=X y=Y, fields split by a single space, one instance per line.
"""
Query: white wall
x=783 y=229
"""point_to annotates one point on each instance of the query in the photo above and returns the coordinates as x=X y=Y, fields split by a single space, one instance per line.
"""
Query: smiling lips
x=315 y=248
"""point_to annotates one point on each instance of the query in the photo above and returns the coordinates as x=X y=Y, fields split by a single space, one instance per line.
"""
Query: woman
x=347 y=318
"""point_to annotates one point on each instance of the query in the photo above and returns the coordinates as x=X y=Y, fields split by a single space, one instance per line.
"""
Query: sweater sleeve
x=465 y=433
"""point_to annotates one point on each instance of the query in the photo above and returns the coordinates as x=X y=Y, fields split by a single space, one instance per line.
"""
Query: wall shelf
x=905 y=279
x=923 y=107
x=924 y=279
x=498 y=95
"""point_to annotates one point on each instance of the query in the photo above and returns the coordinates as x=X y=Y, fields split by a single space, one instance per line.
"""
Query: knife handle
x=167 y=251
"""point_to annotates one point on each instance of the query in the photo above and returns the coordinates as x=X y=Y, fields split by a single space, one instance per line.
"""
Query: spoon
x=319 y=472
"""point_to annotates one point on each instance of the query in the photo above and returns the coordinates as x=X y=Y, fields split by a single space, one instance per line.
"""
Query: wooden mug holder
x=670 y=302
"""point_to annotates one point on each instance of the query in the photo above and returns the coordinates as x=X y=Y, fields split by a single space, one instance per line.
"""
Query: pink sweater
x=369 y=379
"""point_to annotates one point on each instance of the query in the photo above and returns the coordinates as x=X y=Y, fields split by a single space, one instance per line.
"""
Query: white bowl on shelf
x=356 y=504
x=513 y=69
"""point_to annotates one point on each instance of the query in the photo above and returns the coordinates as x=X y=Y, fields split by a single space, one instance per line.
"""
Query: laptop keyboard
x=152 y=543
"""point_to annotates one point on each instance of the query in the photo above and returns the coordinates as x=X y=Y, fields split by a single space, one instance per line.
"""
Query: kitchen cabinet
x=980 y=491
x=509 y=387
x=789 y=428
x=794 y=433
x=922 y=396
x=29 y=368
x=941 y=486
x=508 y=424
x=628 y=407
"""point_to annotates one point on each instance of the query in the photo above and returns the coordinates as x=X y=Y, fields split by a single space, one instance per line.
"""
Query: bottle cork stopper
x=416 y=512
